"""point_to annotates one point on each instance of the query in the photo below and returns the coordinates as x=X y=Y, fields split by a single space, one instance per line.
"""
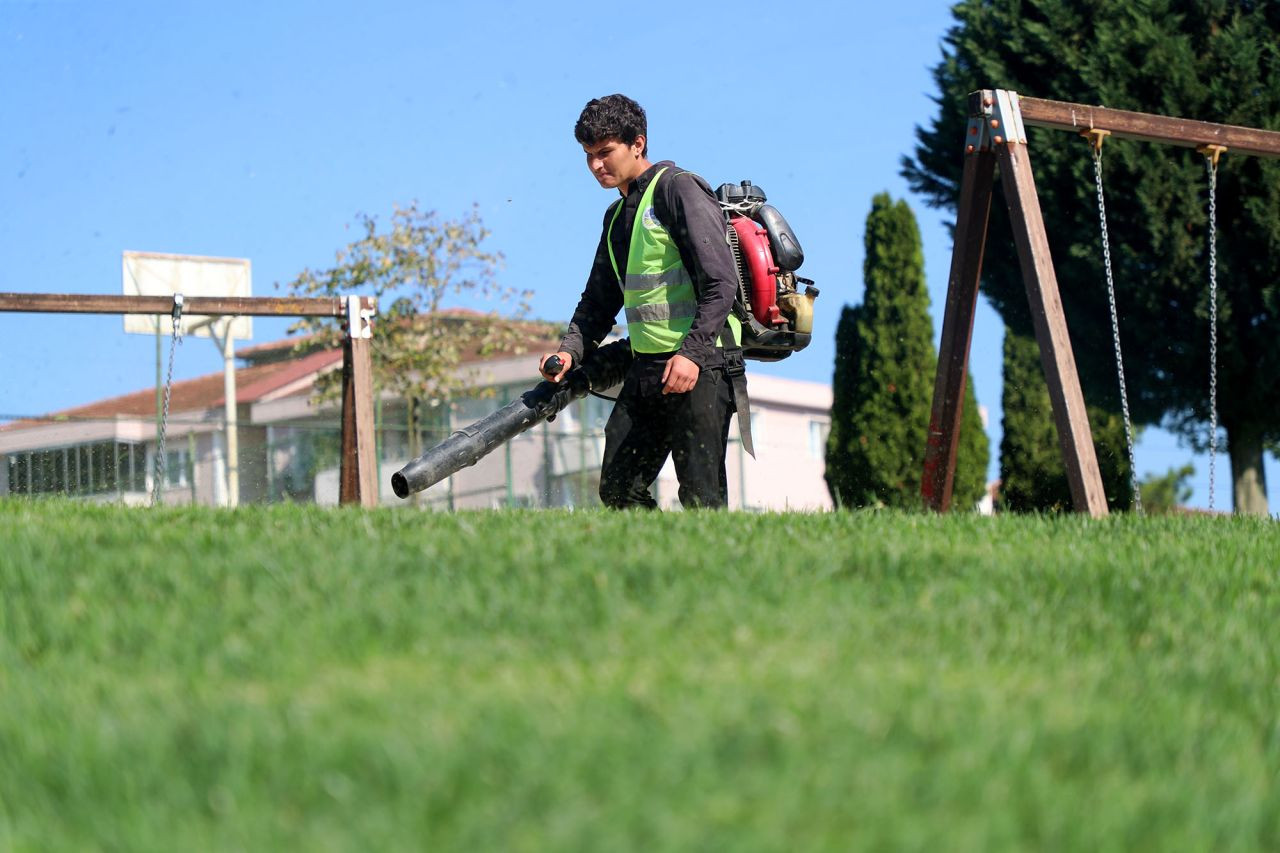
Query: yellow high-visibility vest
x=657 y=291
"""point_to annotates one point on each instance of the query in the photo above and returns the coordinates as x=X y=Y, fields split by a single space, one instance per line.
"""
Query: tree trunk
x=1248 y=477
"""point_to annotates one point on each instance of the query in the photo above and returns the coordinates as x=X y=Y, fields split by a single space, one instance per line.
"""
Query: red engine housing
x=753 y=240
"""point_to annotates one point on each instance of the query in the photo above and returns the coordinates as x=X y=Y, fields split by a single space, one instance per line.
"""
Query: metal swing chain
x=158 y=485
x=1211 y=165
x=1096 y=143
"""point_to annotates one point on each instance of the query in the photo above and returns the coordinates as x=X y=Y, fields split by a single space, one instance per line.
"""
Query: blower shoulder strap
x=735 y=370
x=735 y=366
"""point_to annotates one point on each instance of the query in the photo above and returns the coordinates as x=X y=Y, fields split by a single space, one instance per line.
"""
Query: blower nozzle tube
x=602 y=369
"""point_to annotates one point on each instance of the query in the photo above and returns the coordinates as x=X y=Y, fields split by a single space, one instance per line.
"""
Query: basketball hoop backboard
x=155 y=274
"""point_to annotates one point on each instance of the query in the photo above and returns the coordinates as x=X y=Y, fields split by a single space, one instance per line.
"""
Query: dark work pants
x=647 y=425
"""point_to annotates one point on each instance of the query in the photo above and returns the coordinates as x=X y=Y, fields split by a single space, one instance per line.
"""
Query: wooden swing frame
x=357 y=478
x=996 y=133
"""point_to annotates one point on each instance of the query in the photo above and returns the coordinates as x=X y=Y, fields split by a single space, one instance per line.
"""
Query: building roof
x=253 y=383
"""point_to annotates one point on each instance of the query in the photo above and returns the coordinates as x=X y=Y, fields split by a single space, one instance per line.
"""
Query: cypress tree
x=884 y=375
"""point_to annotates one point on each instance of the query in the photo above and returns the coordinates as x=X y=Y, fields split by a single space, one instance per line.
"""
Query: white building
x=288 y=445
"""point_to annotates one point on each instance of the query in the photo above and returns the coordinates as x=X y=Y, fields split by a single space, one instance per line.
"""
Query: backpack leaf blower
x=777 y=319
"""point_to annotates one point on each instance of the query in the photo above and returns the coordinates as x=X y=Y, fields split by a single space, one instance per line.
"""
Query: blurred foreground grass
x=301 y=678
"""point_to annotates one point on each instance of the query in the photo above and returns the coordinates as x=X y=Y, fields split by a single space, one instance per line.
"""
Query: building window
x=469 y=409
x=177 y=466
x=101 y=468
x=596 y=412
x=818 y=432
x=758 y=427
x=299 y=452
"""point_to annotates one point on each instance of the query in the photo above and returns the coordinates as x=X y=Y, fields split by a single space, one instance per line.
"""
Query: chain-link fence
x=555 y=464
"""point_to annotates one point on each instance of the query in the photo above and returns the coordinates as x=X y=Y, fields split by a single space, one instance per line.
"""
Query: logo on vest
x=650 y=219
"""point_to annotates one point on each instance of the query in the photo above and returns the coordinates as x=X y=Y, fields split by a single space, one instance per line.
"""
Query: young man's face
x=614 y=164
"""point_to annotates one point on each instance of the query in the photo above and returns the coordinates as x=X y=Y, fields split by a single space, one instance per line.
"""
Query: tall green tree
x=415 y=267
x=1215 y=60
x=883 y=386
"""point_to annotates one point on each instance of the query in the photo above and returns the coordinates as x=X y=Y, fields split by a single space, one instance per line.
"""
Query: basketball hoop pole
x=159 y=380
x=224 y=342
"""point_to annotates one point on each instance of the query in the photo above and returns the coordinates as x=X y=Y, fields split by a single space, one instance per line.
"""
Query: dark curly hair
x=612 y=117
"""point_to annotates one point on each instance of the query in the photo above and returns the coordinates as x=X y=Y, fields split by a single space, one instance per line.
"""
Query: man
x=665 y=257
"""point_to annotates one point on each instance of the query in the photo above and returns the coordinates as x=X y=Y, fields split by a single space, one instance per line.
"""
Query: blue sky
x=260 y=130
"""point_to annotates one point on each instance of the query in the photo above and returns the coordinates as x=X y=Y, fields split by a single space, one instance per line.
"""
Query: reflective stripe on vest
x=657 y=292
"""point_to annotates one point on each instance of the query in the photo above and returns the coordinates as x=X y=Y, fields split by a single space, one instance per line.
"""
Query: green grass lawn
x=301 y=678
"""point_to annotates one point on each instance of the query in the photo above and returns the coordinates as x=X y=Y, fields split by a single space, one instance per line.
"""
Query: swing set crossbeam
x=1147 y=127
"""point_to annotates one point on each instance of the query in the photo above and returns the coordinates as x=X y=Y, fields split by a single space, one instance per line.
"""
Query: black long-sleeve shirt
x=685 y=205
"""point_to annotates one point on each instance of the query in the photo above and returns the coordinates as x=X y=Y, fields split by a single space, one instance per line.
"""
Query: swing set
x=357 y=477
x=996 y=132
